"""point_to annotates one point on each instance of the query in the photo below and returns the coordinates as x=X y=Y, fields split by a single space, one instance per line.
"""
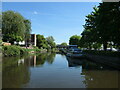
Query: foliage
x=50 y=40
x=15 y=27
x=0 y=21
x=12 y=25
x=1 y=42
x=35 y=47
x=64 y=44
x=13 y=50
x=41 y=41
x=74 y=40
x=96 y=46
x=27 y=30
x=102 y=26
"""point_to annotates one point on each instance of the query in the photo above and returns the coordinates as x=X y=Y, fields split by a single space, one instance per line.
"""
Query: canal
x=51 y=70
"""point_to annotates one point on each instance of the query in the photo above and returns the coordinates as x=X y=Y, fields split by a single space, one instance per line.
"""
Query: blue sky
x=60 y=20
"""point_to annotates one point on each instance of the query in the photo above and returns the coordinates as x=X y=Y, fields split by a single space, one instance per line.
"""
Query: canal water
x=51 y=70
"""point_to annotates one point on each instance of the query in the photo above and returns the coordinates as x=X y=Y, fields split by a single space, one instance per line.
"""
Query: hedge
x=13 y=50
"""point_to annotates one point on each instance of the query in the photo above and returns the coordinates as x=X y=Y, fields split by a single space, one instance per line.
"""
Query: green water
x=52 y=70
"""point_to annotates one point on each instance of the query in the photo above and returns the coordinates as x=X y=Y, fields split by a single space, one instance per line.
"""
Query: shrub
x=35 y=47
x=23 y=50
x=13 y=50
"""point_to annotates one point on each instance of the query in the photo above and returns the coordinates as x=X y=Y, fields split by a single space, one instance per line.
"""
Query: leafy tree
x=74 y=40
x=107 y=23
x=0 y=21
x=89 y=35
x=96 y=45
x=27 y=30
x=102 y=26
x=64 y=44
x=12 y=25
x=50 y=40
x=41 y=41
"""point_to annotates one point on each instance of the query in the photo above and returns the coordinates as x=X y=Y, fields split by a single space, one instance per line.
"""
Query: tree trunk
x=105 y=46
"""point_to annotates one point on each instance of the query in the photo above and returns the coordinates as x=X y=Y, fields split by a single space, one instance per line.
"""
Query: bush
x=35 y=47
x=23 y=50
x=13 y=50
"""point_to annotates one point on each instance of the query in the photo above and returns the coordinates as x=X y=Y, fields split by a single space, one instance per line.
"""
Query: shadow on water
x=35 y=70
x=96 y=75
x=86 y=64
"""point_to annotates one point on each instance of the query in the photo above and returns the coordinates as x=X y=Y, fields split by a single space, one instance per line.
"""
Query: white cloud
x=35 y=12
x=48 y=14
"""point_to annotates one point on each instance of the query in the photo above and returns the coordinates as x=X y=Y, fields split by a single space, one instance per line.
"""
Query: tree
x=27 y=30
x=50 y=40
x=89 y=35
x=64 y=44
x=74 y=40
x=12 y=26
x=0 y=20
x=107 y=23
x=41 y=41
x=96 y=45
x=102 y=26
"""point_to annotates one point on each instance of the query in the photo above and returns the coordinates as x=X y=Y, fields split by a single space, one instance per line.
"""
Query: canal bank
x=104 y=57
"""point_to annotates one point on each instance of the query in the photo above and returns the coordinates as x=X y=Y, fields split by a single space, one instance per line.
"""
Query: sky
x=58 y=19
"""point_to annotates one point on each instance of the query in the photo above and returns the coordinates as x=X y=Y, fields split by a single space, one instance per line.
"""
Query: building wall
x=33 y=39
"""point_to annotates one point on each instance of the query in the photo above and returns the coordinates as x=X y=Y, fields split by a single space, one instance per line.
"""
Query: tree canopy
x=64 y=44
x=14 y=26
x=102 y=26
x=41 y=41
x=74 y=40
x=50 y=41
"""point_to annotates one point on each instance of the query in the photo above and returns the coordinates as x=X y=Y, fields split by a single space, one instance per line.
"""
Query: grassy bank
x=103 y=53
x=14 y=50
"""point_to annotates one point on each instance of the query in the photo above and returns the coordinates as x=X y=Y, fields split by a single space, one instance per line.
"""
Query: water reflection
x=16 y=69
x=40 y=59
x=14 y=74
x=38 y=70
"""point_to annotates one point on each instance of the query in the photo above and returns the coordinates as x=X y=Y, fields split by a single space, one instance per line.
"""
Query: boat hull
x=75 y=55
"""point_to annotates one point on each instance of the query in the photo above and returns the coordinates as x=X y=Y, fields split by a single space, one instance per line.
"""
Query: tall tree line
x=102 y=26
